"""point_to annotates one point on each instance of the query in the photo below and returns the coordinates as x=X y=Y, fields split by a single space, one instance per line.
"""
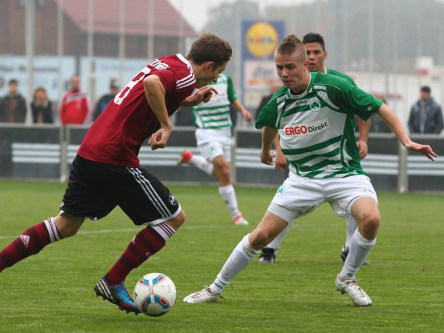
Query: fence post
x=403 y=178
x=64 y=133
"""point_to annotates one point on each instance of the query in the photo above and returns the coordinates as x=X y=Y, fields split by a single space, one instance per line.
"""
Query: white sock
x=229 y=196
x=237 y=261
x=164 y=230
x=276 y=243
x=351 y=227
x=359 y=250
x=52 y=230
x=201 y=163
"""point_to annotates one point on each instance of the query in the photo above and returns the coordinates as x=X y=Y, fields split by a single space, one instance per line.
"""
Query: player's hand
x=363 y=149
x=207 y=93
x=203 y=94
x=281 y=162
x=424 y=149
x=266 y=157
x=247 y=115
x=159 y=139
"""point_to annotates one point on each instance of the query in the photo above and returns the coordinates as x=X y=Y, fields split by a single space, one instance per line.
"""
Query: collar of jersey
x=185 y=61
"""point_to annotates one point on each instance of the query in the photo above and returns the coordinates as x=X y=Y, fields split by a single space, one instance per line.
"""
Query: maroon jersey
x=117 y=135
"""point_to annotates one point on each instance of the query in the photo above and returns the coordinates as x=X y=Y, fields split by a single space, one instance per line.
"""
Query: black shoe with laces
x=267 y=256
x=344 y=254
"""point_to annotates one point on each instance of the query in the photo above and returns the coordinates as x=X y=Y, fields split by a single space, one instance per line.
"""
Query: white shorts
x=214 y=142
x=299 y=196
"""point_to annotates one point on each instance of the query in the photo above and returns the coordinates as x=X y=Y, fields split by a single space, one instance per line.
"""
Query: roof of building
x=106 y=17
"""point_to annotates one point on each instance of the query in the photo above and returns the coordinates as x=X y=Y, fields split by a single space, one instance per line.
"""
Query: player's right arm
x=268 y=135
x=281 y=160
x=155 y=95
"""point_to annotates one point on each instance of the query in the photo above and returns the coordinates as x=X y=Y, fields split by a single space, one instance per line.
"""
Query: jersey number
x=118 y=99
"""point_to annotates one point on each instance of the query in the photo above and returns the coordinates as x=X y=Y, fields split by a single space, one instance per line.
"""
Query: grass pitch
x=53 y=291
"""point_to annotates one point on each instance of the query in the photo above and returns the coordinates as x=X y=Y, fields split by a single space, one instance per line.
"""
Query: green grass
x=53 y=291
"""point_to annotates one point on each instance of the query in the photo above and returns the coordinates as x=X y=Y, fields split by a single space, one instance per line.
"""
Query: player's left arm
x=155 y=95
x=244 y=112
x=203 y=94
x=390 y=118
x=364 y=128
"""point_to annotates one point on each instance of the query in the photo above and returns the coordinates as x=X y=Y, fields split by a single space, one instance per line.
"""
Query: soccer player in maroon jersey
x=106 y=172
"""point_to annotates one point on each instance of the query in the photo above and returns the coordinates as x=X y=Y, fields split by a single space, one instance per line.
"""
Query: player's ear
x=325 y=54
x=208 y=66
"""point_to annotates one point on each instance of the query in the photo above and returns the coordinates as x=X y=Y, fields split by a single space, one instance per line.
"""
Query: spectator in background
x=13 y=105
x=41 y=107
x=75 y=106
x=426 y=114
x=273 y=86
x=102 y=103
x=378 y=125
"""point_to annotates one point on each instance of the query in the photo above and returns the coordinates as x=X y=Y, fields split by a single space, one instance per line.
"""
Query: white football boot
x=206 y=295
x=240 y=220
x=356 y=294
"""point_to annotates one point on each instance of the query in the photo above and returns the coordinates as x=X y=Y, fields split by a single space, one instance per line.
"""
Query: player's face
x=292 y=71
x=209 y=74
x=316 y=56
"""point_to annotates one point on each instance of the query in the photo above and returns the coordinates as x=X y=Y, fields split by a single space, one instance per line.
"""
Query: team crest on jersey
x=315 y=105
x=173 y=200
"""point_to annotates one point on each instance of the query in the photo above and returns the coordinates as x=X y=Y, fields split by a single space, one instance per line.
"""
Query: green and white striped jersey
x=216 y=113
x=316 y=127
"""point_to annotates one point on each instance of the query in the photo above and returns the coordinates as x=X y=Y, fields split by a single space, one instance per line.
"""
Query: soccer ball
x=155 y=294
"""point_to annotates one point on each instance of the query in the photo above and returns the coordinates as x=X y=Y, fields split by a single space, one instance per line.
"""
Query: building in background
x=100 y=39
x=168 y=27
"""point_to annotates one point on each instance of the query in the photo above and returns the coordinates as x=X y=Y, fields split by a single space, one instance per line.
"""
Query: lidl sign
x=261 y=38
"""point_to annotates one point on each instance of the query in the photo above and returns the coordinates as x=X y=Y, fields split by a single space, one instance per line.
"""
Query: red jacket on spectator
x=75 y=108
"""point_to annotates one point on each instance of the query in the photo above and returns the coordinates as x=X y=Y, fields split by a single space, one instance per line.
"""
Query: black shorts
x=95 y=189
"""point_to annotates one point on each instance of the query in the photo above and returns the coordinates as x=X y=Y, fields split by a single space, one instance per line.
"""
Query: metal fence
x=46 y=152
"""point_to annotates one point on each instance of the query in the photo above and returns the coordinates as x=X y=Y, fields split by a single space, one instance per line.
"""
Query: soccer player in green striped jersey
x=314 y=114
x=316 y=54
x=213 y=136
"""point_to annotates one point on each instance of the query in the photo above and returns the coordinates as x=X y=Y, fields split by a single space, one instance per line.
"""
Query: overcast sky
x=195 y=11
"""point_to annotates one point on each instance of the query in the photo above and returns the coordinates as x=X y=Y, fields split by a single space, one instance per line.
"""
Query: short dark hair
x=114 y=83
x=291 y=44
x=209 y=47
x=313 y=37
x=12 y=81
x=426 y=89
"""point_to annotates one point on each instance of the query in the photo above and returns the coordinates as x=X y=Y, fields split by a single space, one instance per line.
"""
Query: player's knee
x=225 y=173
x=259 y=239
x=181 y=217
x=177 y=221
x=221 y=170
x=67 y=225
x=371 y=221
